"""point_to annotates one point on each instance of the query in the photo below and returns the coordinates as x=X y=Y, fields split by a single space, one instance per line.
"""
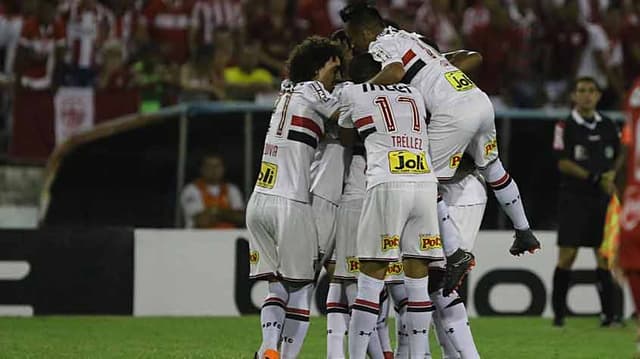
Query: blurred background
x=109 y=106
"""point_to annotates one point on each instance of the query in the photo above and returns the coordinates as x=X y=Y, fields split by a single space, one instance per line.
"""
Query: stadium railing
x=187 y=111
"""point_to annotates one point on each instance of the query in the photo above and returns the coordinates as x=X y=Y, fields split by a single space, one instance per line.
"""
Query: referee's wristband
x=594 y=178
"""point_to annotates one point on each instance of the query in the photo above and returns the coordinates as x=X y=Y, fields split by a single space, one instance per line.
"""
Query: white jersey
x=327 y=169
x=425 y=68
x=392 y=122
x=295 y=128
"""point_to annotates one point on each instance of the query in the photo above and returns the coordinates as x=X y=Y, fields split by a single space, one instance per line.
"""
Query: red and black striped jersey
x=295 y=128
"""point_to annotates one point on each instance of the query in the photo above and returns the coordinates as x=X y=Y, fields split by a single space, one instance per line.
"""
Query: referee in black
x=587 y=145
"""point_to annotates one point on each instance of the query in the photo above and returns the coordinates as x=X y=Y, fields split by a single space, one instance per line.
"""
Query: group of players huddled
x=374 y=166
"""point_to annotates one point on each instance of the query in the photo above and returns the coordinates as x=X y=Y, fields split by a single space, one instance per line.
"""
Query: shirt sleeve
x=345 y=120
x=559 y=139
x=322 y=101
x=385 y=50
x=235 y=197
x=191 y=202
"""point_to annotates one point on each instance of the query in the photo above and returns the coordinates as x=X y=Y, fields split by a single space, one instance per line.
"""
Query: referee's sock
x=605 y=291
x=561 y=278
x=507 y=193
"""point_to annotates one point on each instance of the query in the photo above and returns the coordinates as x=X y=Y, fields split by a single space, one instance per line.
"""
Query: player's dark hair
x=310 y=56
x=363 y=67
x=360 y=14
x=581 y=79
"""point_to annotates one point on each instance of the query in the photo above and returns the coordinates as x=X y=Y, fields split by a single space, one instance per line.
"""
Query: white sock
x=364 y=314
x=399 y=297
x=448 y=231
x=272 y=316
x=296 y=323
x=381 y=326
x=449 y=351
x=419 y=310
x=337 y=319
x=456 y=323
x=374 y=349
x=507 y=193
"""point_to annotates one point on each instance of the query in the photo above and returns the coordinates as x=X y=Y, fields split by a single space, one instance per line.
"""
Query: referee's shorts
x=581 y=219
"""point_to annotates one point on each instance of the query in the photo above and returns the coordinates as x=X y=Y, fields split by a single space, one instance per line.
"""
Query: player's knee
x=415 y=268
x=374 y=269
x=494 y=172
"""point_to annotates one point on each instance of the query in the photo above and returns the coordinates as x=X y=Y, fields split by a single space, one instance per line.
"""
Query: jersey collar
x=581 y=121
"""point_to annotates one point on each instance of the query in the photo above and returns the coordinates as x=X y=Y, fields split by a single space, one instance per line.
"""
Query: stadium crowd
x=232 y=49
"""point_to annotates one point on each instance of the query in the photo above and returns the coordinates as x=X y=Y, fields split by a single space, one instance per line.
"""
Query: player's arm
x=465 y=60
x=386 y=52
x=390 y=74
x=348 y=136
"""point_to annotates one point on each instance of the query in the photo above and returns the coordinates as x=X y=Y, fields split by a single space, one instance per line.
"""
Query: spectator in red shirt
x=169 y=23
x=564 y=41
x=209 y=15
x=321 y=16
x=89 y=25
x=277 y=32
x=631 y=42
x=129 y=30
x=435 y=20
x=114 y=72
x=41 y=48
x=475 y=16
x=498 y=42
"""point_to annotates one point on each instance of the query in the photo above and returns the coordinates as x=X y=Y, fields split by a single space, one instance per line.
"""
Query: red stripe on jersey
x=367 y=303
x=408 y=56
x=364 y=121
x=306 y=123
x=298 y=311
x=501 y=181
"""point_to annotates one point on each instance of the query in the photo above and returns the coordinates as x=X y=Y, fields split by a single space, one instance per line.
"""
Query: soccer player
x=629 y=250
x=466 y=196
x=283 y=239
x=462 y=120
x=587 y=145
x=399 y=216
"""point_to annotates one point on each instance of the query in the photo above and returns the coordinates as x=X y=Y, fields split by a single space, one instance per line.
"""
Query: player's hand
x=607 y=182
x=327 y=73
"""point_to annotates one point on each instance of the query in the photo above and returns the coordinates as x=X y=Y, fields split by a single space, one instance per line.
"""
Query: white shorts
x=467 y=220
x=465 y=126
x=324 y=215
x=283 y=240
x=399 y=220
x=348 y=216
x=347 y=263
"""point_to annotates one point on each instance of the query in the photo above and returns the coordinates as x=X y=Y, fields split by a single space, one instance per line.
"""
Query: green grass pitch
x=238 y=337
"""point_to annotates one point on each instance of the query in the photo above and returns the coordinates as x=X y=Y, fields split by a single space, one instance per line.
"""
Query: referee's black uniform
x=593 y=144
